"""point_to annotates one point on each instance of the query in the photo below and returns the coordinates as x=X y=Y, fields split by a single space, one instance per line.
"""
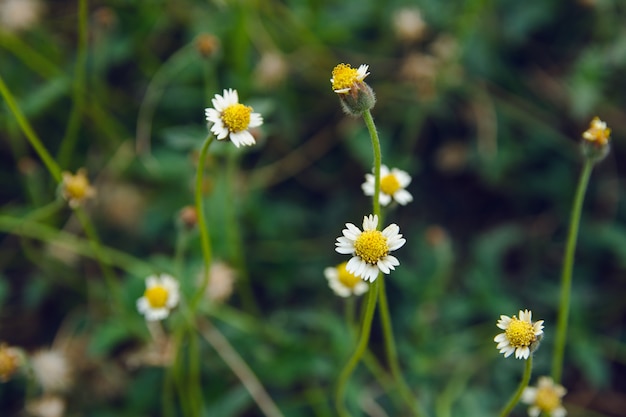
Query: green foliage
x=484 y=109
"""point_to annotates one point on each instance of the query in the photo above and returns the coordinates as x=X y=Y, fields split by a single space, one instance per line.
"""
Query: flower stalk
x=520 y=389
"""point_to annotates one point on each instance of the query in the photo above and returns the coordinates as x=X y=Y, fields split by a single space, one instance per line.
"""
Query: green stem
x=71 y=133
x=366 y=327
x=30 y=134
x=371 y=127
x=33 y=230
x=520 y=389
x=390 y=348
x=566 y=276
x=204 y=232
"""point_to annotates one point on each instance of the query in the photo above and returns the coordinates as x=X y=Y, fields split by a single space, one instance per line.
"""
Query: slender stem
x=30 y=134
x=113 y=257
x=390 y=348
x=371 y=127
x=566 y=276
x=520 y=389
x=366 y=327
x=204 y=232
x=71 y=133
x=230 y=356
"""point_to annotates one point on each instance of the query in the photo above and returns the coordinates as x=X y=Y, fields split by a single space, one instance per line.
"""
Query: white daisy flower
x=520 y=335
x=545 y=398
x=161 y=296
x=392 y=186
x=345 y=77
x=343 y=282
x=370 y=248
x=231 y=119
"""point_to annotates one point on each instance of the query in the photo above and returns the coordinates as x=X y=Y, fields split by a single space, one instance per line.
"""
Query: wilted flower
x=343 y=282
x=545 y=398
x=231 y=119
x=596 y=140
x=520 y=335
x=76 y=188
x=355 y=95
x=370 y=248
x=161 y=296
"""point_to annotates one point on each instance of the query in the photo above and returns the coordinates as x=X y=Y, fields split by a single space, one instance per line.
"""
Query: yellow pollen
x=520 y=333
x=236 y=117
x=389 y=184
x=598 y=132
x=156 y=296
x=547 y=399
x=77 y=186
x=371 y=246
x=344 y=76
x=347 y=278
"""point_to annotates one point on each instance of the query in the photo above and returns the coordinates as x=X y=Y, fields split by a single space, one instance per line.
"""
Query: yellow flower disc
x=371 y=246
x=520 y=333
x=547 y=399
x=156 y=296
x=389 y=184
x=347 y=278
x=344 y=76
x=236 y=118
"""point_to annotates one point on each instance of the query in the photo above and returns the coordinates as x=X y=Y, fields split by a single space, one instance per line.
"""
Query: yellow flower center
x=598 y=132
x=236 y=117
x=520 y=333
x=371 y=246
x=156 y=296
x=344 y=76
x=347 y=278
x=76 y=186
x=389 y=184
x=547 y=399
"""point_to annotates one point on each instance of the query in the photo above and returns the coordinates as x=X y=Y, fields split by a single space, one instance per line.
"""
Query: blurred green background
x=482 y=102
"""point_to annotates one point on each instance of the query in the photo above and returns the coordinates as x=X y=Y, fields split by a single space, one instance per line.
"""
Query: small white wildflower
x=231 y=119
x=370 y=248
x=519 y=334
x=392 y=186
x=161 y=296
x=343 y=282
x=545 y=398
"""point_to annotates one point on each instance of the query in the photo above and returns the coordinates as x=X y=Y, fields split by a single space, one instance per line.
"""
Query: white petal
x=383 y=267
x=391 y=261
x=370 y=222
x=255 y=120
x=501 y=338
x=371 y=273
x=529 y=395
x=384 y=199
x=403 y=178
x=360 y=288
x=242 y=138
x=331 y=273
x=403 y=197
x=384 y=171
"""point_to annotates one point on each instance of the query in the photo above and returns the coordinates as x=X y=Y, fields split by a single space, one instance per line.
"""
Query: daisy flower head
x=354 y=94
x=520 y=335
x=545 y=398
x=229 y=118
x=596 y=144
x=76 y=188
x=161 y=296
x=392 y=186
x=370 y=248
x=343 y=282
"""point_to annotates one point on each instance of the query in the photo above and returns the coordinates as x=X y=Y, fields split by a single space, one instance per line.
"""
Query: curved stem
x=566 y=276
x=30 y=134
x=390 y=348
x=520 y=389
x=204 y=232
x=366 y=326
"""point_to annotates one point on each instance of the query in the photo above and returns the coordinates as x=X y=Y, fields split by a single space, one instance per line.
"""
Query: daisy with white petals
x=520 y=334
x=229 y=118
x=161 y=296
x=546 y=398
x=370 y=248
x=392 y=186
x=343 y=282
